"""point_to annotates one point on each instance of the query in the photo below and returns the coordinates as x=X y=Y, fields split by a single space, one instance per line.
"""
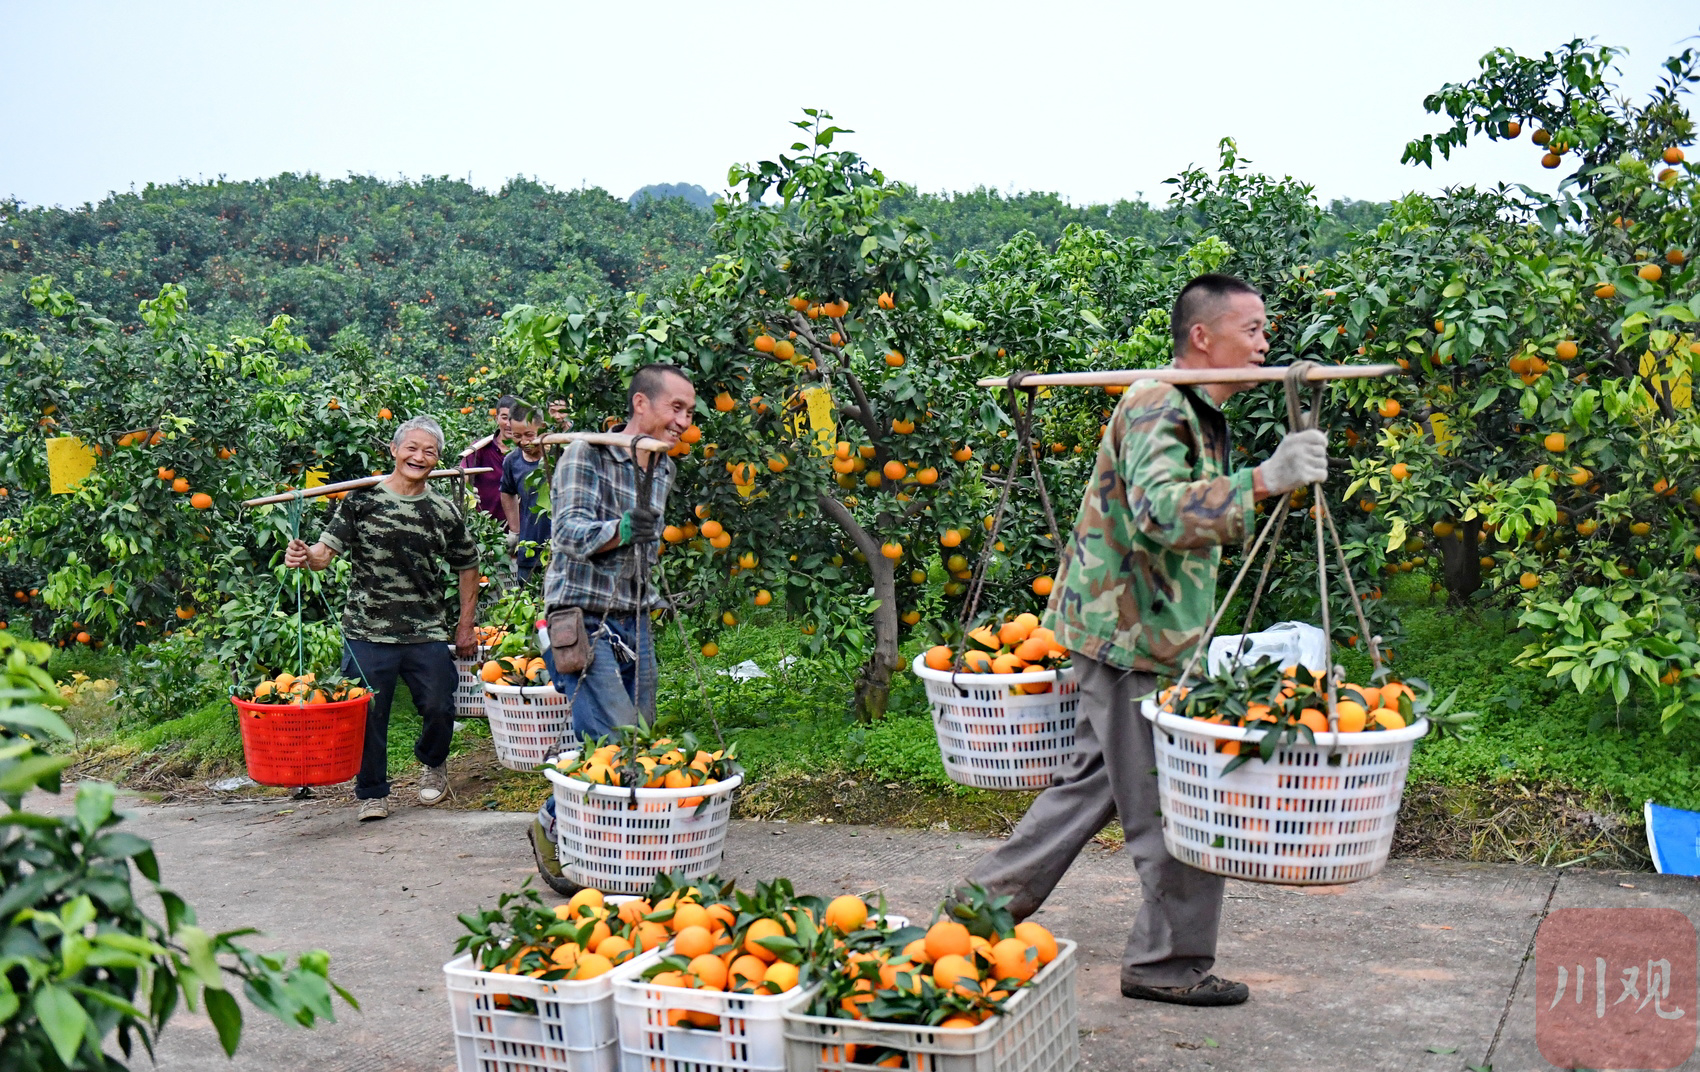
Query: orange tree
x=1545 y=442
x=186 y=425
x=835 y=468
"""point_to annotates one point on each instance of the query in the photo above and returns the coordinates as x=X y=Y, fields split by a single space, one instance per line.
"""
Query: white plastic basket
x=992 y=736
x=749 y=1037
x=527 y=723
x=469 y=687
x=573 y=1029
x=618 y=839
x=1038 y=1032
x=1312 y=815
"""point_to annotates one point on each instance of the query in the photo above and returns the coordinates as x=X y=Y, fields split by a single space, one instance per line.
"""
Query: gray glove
x=513 y=542
x=1302 y=458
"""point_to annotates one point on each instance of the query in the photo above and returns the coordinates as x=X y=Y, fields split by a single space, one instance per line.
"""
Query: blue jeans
x=611 y=692
x=429 y=671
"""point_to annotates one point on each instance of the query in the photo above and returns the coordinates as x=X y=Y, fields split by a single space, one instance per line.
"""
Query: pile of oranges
x=1299 y=699
x=664 y=762
x=488 y=636
x=287 y=688
x=1013 y=647
x=582 y=939
x=949 y=976
x=515 y=670
x=715 y=948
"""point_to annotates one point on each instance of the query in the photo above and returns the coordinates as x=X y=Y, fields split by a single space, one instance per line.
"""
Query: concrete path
x=1367 y=976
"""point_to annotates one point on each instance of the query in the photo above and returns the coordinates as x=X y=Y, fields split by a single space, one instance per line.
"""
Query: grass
x=1548 y=775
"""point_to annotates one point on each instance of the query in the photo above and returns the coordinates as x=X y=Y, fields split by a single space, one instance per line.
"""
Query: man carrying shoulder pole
x=604 y=543
x=396 y=534
x=1133 y=596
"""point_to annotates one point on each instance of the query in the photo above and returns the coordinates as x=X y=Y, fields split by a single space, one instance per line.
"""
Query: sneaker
x=434 y=784
x=374 y=808
x=1207 y=991
x=548 y=864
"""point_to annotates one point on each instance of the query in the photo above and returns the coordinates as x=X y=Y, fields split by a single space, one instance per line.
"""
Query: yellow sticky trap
x=69 y=462
x=317 y=478
x=1442 y=436
x=819 y=401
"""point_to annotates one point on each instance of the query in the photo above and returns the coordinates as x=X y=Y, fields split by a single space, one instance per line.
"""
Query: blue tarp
x=1673 y=837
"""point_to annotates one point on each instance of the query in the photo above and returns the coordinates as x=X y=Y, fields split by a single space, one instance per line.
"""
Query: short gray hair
x=419 y=424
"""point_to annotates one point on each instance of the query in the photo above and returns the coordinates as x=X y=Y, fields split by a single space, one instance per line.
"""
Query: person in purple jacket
x=489 y=452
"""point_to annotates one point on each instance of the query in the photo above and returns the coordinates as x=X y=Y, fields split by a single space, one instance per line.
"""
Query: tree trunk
x=1460 y=557
x=873 y=684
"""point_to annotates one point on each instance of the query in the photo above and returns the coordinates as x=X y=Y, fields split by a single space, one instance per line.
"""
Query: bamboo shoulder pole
x=1251 y=374
x=606 y=439
x=351 y=485
x=478 y=445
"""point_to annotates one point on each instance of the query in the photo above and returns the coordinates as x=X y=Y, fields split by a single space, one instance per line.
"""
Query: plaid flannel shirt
x=592 y=488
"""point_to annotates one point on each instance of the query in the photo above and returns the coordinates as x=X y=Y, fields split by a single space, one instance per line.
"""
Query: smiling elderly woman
x=398 y=535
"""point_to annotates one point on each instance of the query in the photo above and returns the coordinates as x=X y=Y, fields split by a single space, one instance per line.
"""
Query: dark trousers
x=429 y=671
x=1113 y=773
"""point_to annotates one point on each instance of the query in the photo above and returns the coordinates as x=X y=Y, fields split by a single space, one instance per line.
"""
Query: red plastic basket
x=303 y=744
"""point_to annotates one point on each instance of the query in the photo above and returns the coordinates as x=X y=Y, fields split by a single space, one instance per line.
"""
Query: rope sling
x=1299 y=419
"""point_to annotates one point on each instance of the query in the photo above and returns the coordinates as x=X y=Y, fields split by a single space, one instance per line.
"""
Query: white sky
x=1093 y=100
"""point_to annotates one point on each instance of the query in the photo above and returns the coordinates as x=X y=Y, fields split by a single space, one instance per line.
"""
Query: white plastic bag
x=1285 y=644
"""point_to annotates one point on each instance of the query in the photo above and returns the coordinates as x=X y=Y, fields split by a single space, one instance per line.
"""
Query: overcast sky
x=1096 y=101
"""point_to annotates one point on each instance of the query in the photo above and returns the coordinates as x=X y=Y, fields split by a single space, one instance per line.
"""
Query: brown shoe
x=1207 y=991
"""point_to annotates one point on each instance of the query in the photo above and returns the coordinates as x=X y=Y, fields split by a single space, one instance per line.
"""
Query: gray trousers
x=1113 y=772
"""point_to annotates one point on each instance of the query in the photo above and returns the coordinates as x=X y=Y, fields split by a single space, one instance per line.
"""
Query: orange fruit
x=781 y=975
x=693 y=941
x=590 y=965
x=953 y=971
x=947 y=937
x=961 y=454
x=760 y=929
x=958 y=1022
x=1007 y=663
x=1388 y=719
x=710 y=970
x=1400 y=471
x=1554 y=441
x=721 y=917
x=894 y=470
x=1316 y=720
x=1652 y=273
x=894 y=359
x=892 y=550
x=1529 y=581
x=845 y=914
x=724 y=403
x=180 y=485
x=1042 y=586
x=201 y=501
x=976 y=662
x=1389 y=408
x=649 y=935
x=1013 y=958
x=615 y=948
x=748 y=971
x=764 y=343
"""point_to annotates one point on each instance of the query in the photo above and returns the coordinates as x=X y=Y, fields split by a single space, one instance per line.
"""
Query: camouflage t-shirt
x=396 y=545
x=1137 y=582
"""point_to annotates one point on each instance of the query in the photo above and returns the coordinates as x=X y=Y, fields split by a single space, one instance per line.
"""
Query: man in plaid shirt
x=604 y=546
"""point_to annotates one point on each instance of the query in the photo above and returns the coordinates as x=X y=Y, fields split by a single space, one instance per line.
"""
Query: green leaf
x=1486 y=399
x=201 y=959
x=226 y=1015
x=63 y=1018
x=1443 y=1049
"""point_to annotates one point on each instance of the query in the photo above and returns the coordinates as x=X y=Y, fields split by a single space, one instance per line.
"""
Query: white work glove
x=1301 y=459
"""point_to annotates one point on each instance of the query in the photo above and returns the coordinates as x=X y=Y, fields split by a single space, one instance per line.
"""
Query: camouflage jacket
x=1137 y=583
x=396 y=547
